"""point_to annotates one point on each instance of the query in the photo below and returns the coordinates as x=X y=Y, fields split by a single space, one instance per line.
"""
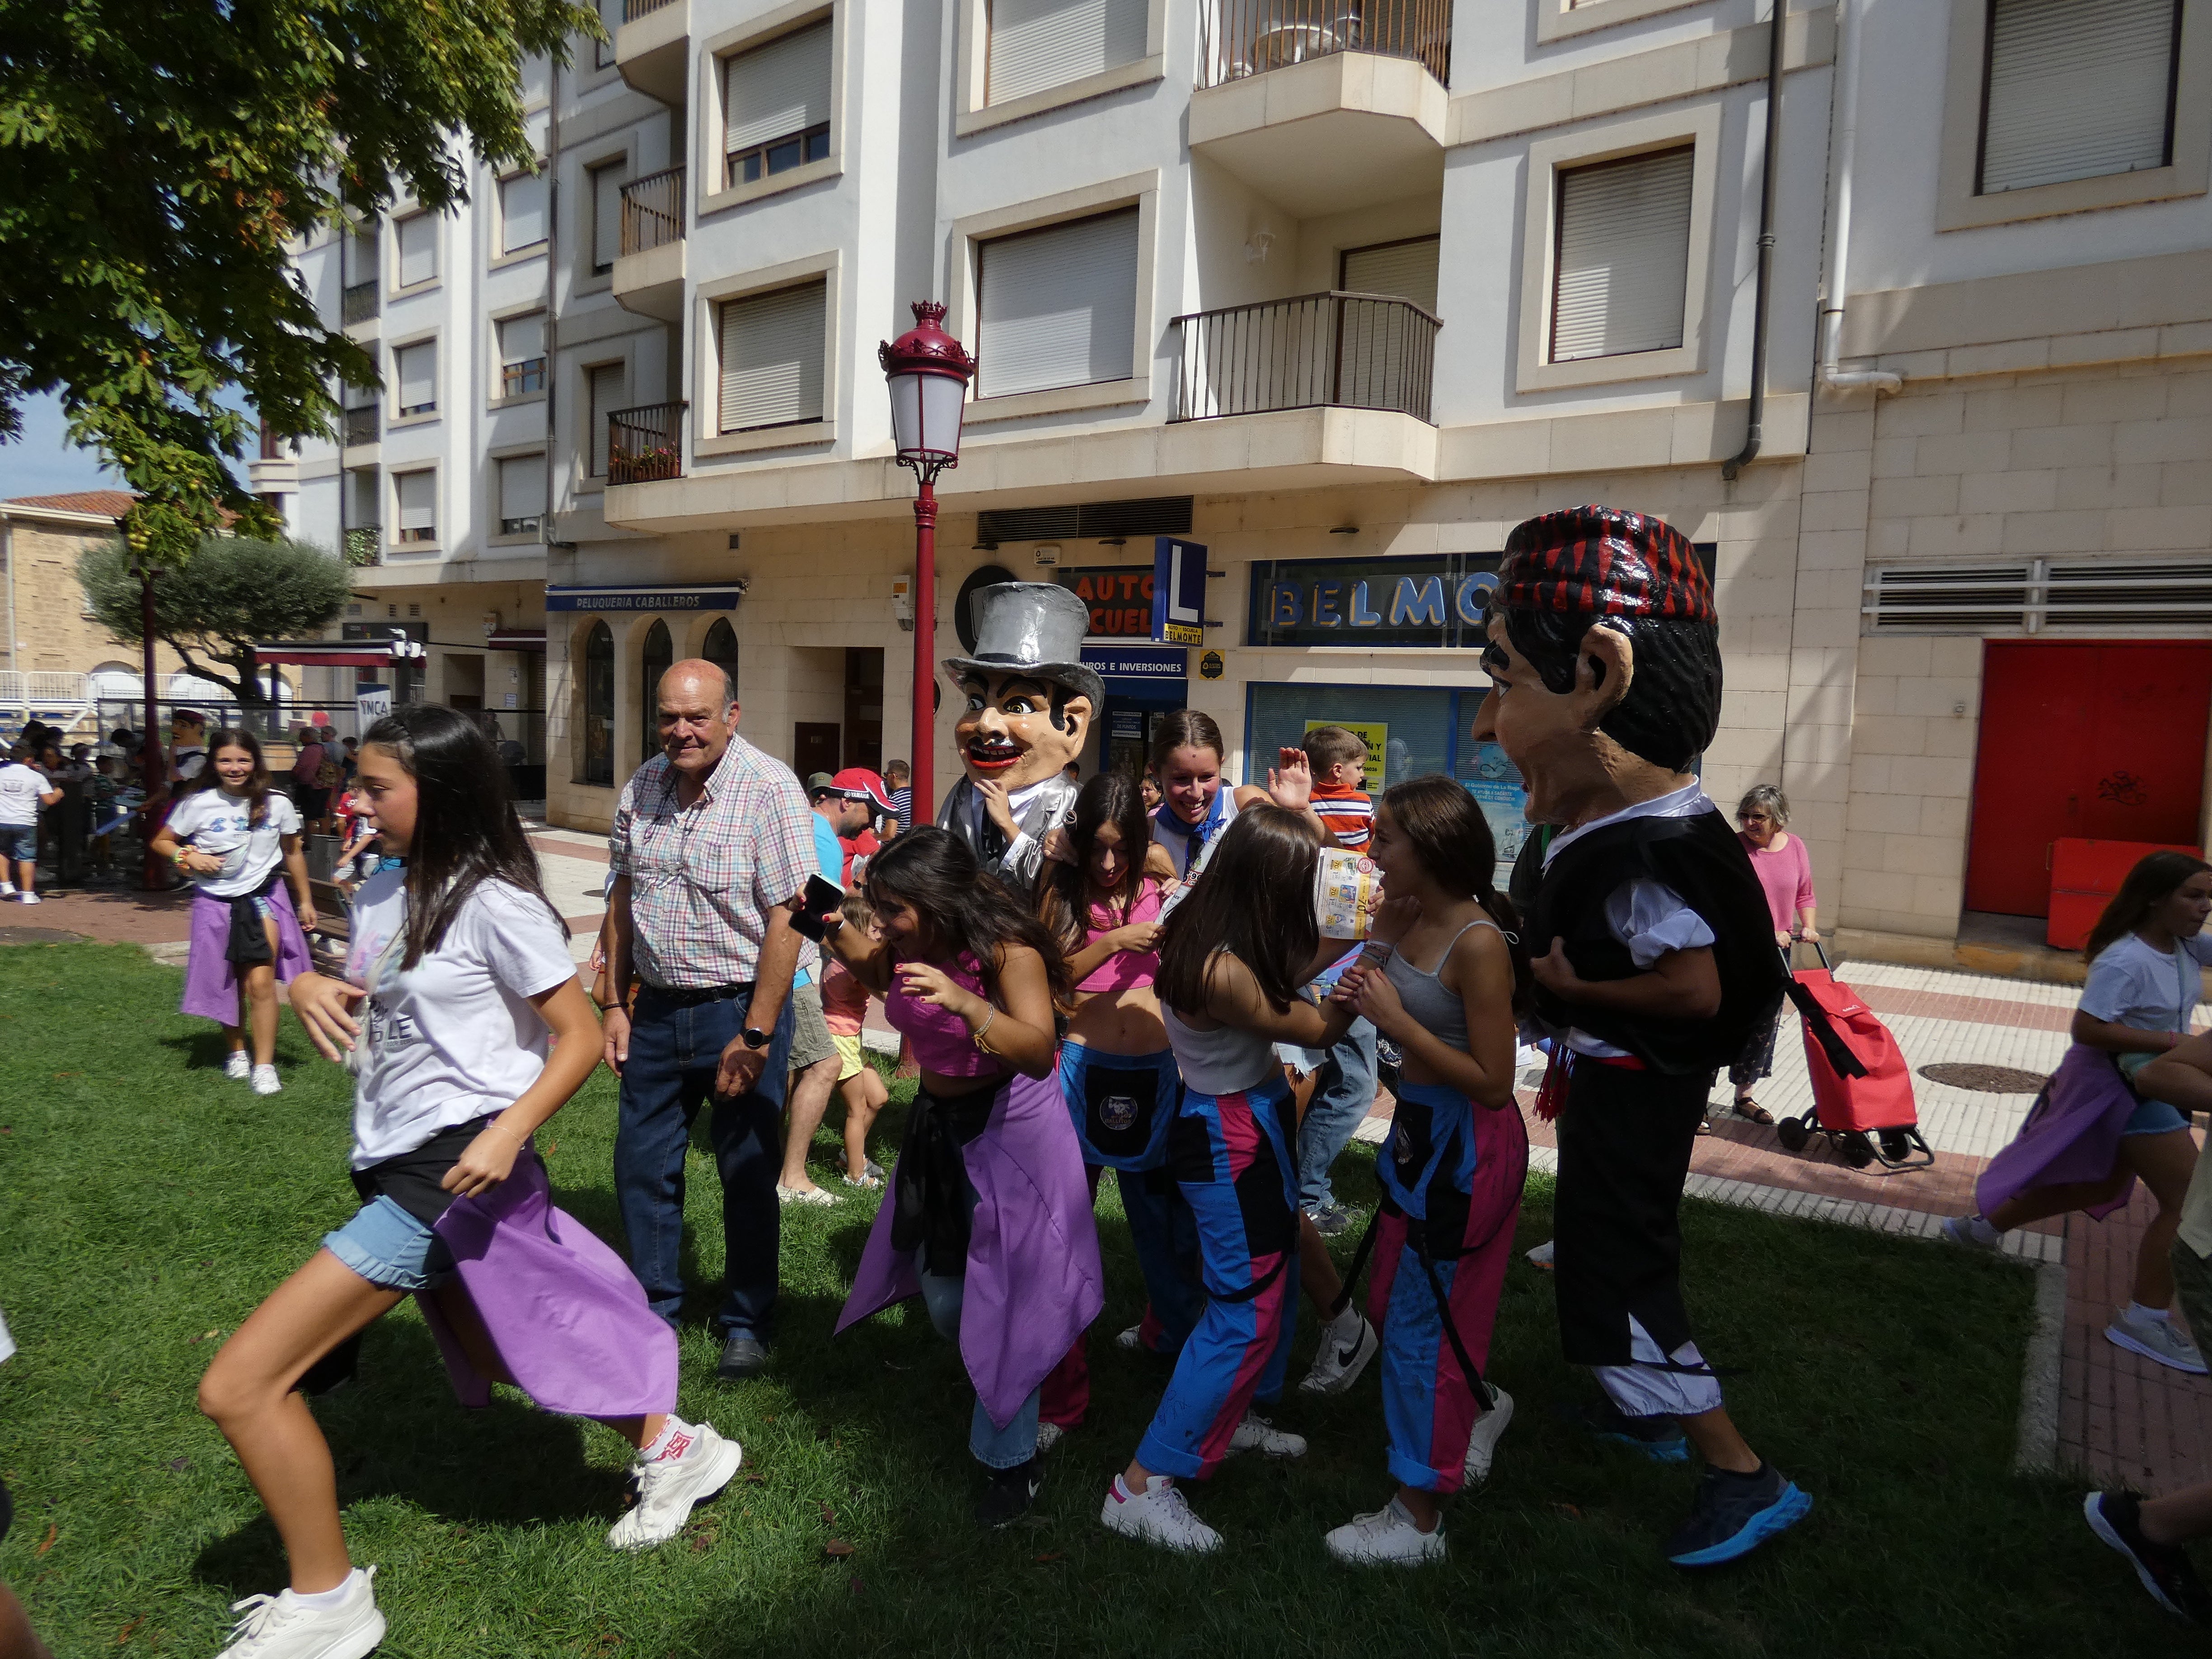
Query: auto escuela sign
x=1162 y=604
x=1431 y=599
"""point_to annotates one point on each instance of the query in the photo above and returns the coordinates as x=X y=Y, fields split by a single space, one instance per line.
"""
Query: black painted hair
x=1672 y=708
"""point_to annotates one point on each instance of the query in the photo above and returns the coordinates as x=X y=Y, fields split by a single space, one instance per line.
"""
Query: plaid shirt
x=704 y=877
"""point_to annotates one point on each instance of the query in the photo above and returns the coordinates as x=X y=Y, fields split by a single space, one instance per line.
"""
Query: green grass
x=147 y=1203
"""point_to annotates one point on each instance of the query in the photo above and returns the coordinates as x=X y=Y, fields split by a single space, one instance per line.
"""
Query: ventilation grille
x=1159 y=515
x=2040 y=594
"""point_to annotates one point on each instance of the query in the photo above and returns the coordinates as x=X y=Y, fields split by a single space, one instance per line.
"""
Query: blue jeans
x=1340 y=1102
x=995 y=1448
x=673 y=1052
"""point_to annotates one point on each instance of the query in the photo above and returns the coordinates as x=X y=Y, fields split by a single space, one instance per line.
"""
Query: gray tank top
x=1433 y=1005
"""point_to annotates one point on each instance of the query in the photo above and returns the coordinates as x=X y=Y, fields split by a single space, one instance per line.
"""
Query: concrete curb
x=2039 y=1385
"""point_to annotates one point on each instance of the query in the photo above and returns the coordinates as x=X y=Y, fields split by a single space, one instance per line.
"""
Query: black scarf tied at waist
x=248 y=945
x=929 y=1189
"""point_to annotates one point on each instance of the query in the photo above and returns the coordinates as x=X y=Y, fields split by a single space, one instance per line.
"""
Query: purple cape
x=564 y=1313
x=210 y=981
x=2072 y=1135
x=1034 y=1283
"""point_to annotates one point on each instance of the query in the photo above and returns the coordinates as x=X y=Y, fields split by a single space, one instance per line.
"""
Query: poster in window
x=1495 y=783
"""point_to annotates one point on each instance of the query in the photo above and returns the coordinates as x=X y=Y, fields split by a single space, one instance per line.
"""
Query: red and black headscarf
x=1604 y=561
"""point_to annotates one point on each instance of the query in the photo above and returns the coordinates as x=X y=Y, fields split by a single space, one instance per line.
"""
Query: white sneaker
x=2155 y=1338
x=7 y=890
x=28 y=898
x=238 y=1068
x=1541 y=1255
x=668 y=1488
x=1048 y=1437
x=1387 y=1538
x=266 y=1082
x=1338 y=1365
x=1255 y=1433
x=1482 y=1444
x=1158 y=1515
x=1973 y=1232
x=281 y=1627
x=1132 y=1338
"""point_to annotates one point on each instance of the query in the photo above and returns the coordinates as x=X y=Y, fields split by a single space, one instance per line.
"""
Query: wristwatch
x=756 y=1038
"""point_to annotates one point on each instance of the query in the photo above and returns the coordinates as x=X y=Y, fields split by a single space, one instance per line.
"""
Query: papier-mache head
x=1029 y=697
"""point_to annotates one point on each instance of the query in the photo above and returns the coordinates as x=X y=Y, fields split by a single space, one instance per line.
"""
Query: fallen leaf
x=838 y=1548
x=552 y=1147
x=1569 y=1510
x=53 y=1530
x=1042 y=1560
x=854 y=1583
x=124 y=1635
x=755 y=1478
x=68 y=1073
x=702 y=1542
x=829 y=1516
x=179 y=1465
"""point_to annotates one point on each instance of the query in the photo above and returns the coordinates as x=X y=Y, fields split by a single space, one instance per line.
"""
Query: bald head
x=707 y=679
x=698 y=710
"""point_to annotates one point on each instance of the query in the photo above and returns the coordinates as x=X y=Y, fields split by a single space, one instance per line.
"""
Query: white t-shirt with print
x=455 y=1038
x=2130 y=984
x=215 y=821
x=21 y=786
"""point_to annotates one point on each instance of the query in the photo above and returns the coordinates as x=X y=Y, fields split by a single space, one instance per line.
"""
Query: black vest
x=1700 y=859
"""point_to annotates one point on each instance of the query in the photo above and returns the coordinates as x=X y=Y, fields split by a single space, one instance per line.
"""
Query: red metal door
x=2102 y=741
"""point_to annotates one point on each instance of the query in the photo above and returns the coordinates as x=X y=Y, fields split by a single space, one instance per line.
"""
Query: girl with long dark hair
x=1235 y=956
x=2091 y=1133
x=989 y=1217
x=238 y=841
x=461 y=1020
x=1439 y=977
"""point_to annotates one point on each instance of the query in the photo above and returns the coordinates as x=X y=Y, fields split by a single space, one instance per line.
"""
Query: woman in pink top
x=1784 y=869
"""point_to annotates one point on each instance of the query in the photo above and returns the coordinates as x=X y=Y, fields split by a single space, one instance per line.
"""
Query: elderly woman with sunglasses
x=1784 y=869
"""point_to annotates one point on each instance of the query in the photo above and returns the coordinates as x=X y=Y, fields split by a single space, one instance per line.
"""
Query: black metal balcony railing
x=645 y=443
x=361 y=424
x=653 y=210
x=1346 y=351
x=633 y=10
x=1239 y=38
x=359 y=302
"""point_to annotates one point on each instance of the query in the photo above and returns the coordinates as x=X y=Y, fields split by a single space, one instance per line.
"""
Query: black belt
x=691 y=996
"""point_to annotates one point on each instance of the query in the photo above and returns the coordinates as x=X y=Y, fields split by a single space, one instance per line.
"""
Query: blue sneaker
x=1659 y=1439
x=1734 y=1514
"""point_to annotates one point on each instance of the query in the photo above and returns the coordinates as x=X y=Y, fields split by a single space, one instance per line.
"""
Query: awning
x=336 y=653
x=516 y=639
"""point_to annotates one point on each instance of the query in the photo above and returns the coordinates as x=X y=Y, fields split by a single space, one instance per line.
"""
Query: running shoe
x=1255 y=1433
x=266 y=1082
x=669 y=1487
x=1157 y=1515
x=1734 y=1514
x=1338 y=1365
x=2164 y=1569
x=2155 y=1338
x=1482 y=1443
x=1329 y=1220
x=1387 y=1538
x=1973 y=1232
x=1048 y=1437
x=1132 y=1338
x=1541 y=1255
x=1011 y=1494
x=1659 y=1439
x=28 y=898
x=282 y=1626
x=238 y=1068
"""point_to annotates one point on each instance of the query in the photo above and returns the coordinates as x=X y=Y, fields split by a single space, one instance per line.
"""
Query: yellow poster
x=1374 y=734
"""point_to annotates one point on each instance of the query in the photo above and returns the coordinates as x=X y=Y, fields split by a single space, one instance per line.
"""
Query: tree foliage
x=210 y=610
x=158 y=163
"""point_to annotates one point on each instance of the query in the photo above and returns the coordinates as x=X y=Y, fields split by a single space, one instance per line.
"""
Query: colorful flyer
x=1344 y=886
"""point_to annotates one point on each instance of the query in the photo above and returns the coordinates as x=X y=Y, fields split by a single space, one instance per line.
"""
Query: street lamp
x=928 y=372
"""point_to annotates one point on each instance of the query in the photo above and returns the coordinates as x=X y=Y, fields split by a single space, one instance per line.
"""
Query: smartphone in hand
x=820 y=901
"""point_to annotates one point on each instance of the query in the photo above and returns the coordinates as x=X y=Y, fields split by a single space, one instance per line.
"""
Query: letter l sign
x=1178 y=591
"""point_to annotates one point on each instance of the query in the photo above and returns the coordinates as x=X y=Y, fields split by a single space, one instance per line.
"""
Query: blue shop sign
x=1140 y=671
x=1431 y=599
x=710 y=596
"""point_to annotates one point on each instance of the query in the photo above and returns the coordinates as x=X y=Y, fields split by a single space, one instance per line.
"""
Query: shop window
x=653 y=662
x=1057 y=306
x=2076 y=92
x=597 y=751
x=775 y=109
x=772 y=357
x=1038 y=44
x=1621 y=269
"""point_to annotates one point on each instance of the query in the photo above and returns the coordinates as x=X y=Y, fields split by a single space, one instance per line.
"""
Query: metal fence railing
x=1239 y=38
x=653 y=210
x=1338 y=350
x=359 y=302
x=633 y=10
x=645 y=443
x=362 y=424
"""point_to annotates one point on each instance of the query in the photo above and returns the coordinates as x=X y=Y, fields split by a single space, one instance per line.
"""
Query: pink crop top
x=1124 y=970
x=943 y=1043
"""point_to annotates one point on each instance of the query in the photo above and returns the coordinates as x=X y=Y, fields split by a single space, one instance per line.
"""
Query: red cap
x=858 y=783
x=1603 y=562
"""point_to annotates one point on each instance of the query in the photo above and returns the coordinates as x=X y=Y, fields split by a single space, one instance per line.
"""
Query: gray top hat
x=1037 y=628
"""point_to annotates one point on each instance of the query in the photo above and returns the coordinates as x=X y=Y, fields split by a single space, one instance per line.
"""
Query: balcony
x=363 y=424
x=1324 y=105
x=646 y=443
x=364 y=546
x=653 y=48
x=1331 y=350
x=649 y=274
x=359 y=302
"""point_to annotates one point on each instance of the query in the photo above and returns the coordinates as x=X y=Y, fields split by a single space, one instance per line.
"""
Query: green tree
x=213 y=608
x=158 y=165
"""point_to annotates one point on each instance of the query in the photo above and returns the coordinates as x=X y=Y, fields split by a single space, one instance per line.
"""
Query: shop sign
x=1178 y=591
x=371 y=703
x=1433 y=599
x=616 y=599
x=1127 y=725
x=1210 y=665
x=1375 y=734
x=1140 y=671
x=1119 y=596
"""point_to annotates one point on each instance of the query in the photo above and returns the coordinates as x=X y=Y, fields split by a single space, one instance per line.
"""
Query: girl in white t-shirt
x=462 y=1020
x=238 y=840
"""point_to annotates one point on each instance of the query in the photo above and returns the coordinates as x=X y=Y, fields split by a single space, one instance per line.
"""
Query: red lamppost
x=928 y=372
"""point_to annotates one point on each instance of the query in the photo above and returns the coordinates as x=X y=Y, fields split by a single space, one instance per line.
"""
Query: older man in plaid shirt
x=712 y=846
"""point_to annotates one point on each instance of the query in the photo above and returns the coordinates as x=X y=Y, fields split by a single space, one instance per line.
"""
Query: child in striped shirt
x=1339 y=759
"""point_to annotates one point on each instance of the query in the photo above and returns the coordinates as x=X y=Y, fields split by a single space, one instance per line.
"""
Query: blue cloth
x=944 y=1295
x=674 y=1052
x=1164 y=1234
x=390 y=1248
x=1122 y=1104
x=1340 y=1103
x=1431 y=1138
x=18 y=844
x=2155 y=1117
x=829 y=859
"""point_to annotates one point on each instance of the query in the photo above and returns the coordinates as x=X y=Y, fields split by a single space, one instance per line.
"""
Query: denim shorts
x=2155 y=1117
x=18 y=844
x=390 y=1248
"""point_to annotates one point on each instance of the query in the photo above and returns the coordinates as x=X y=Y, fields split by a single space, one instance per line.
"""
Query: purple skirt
x=211 y=987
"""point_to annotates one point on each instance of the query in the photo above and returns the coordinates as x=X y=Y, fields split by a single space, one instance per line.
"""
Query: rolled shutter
x=1406 y=270
x=521 y=338
x=1040 y=44
x=418 y=249
x=2076 y=90
x=606 y=214
x=772 y=357
x=1624 y=256
x=522 y=488
x=418 y=376
x=778 y=90
x=522 y=211
x=418 y=502
x=1058 y=306
x=607 y=385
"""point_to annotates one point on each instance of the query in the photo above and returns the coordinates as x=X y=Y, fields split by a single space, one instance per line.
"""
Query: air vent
x=2041 y=594
x=1953 y=598
x=1159 y=515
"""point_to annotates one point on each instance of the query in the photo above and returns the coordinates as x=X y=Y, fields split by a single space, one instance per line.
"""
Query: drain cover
x=1985 y=1079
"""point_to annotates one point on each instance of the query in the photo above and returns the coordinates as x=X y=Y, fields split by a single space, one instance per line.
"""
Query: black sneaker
x=1659 y=1439
x=2115 y=1516
x=1330 y=1220
x=1734 y=1514
x=1011 y=1494
x=744 y=1355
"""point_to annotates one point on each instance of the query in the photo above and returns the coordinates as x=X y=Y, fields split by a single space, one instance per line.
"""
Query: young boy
x=860 y=1085
x=1339 y=759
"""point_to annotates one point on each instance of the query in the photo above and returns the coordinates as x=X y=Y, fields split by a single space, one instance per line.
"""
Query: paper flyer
x=1345 y=885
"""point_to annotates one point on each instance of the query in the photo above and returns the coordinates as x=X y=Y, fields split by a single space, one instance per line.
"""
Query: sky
x=42 y=462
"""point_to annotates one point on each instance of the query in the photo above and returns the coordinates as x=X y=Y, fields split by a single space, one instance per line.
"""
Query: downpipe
x=1754 y=426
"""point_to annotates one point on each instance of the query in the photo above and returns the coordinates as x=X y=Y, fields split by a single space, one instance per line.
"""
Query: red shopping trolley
x=1868 y=1117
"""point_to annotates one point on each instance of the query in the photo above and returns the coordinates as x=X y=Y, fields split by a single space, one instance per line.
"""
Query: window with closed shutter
x=772 y=352
x=775 y=109
x=1058 y=307
x=606 y=181
x=418 y=249
x=521 y=494
x=522 y=354
x=416 y=370
x=2076 y=90
x=360 y=250
x=1036 y=45
x=609 y=383
x=1405 y=270
x=417 y=495
x=521 y=211
x=1623 y=257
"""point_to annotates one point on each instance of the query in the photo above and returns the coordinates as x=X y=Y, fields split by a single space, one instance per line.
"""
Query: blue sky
x=42 y=462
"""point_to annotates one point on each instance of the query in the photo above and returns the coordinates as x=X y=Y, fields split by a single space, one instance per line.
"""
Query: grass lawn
x=148 y=1204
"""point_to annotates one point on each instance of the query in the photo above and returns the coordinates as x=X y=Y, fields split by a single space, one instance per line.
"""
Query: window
x=608 y=384
x=417 y=495
x=611 y=19
x=772 y=357
x=416 y=370
x=1406 y=270
x=521 y=211
x=522 y=354
x=721 y=649
x=521 y=494
x=597 y=749
x=1036 y=45
x=776 y=108
x=418 y=249
x=1057 y=306
x=606 y=182
x=1621 y=266
x=2075 y=91
x=360 y=250
x=652 y=661
x=535 y=81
